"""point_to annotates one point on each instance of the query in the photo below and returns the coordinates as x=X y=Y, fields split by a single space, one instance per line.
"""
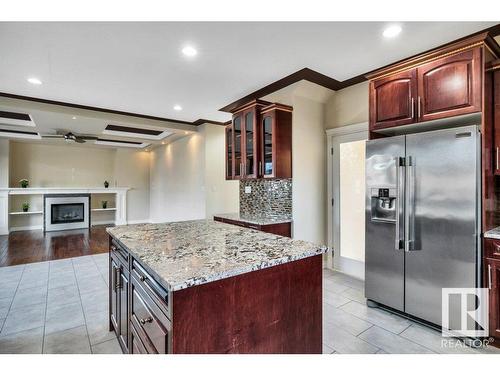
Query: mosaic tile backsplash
x=269 y=198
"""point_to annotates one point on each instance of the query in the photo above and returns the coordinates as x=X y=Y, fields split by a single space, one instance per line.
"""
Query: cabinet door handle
x=241 y=169
x=117 y=279
x=142 y=278
x=260 y=168
x=113 y=248
x=147 y=320
x=419 y=105
x=412 y=108
x=489 y=276
x=497 y=158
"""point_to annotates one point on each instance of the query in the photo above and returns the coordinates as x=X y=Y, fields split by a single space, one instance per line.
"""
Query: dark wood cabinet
x=118 y=294
x=113 y=295
x=450 y=86
x=392 y=100
x=259 y=142
x=491 y=252
x=123 y=287
x=493 y=283
x=276 y=141
x=229 y=152
x=444 y=86
x=233 y=315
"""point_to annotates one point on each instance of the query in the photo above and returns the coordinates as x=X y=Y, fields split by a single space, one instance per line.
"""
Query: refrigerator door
x=384 y=256
x=442 y=190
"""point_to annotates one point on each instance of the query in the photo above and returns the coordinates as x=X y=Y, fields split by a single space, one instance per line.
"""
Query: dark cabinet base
x=273 y=310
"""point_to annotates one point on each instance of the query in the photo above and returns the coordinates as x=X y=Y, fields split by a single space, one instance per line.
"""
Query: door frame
x=355 y=132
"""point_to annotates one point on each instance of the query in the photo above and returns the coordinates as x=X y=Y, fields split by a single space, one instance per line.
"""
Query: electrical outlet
x=248 y=189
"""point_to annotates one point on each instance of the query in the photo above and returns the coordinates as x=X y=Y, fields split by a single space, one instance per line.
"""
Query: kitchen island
x=209 y=287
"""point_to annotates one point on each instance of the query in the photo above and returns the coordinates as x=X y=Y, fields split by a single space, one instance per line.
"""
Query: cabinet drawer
x=491 y=248
x=151 y=324
x=158 y=293
x=119 y=251
x=136 y=345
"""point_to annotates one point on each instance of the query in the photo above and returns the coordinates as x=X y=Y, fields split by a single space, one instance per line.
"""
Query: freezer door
x=384 y=256
x=442 y=185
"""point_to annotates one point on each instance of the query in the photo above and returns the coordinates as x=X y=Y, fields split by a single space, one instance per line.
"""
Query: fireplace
x=66 y=211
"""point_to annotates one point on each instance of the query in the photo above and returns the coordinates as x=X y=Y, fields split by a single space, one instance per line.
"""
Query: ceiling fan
x=70 y=137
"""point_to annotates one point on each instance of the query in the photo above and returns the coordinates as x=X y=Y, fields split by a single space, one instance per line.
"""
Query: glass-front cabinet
x=267 y=169
x=251 y=143
x=237 y=147
x=229 y=152
x=259 y=142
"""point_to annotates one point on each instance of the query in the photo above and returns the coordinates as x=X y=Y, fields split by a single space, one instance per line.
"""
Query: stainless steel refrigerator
x=422 y=219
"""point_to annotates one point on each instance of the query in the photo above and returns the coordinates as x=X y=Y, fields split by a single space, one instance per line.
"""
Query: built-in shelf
x=104 y=209
x=26 y=213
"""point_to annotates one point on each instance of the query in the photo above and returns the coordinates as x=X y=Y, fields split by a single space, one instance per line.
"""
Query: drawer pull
x=253 y=227
x=147 y=320
x=142 y=278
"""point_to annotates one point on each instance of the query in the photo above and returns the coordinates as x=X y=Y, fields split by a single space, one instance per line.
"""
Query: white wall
x=309 y=170
x=131 y=169
x=187 y=178
x=348 y=106
x=177 y=174
x=60 y=165
x=221 y=196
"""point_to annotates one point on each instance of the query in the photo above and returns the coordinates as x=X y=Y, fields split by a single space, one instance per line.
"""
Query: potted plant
x=24 y=183
x=26 y=206
x=106 y=184
x=104 y=204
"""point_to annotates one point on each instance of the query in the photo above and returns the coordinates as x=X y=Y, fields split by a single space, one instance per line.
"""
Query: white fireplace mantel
x=120 y=192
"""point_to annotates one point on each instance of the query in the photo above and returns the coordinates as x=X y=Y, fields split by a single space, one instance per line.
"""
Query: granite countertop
x=184 y=254
x=252 y=219
x=493 y=233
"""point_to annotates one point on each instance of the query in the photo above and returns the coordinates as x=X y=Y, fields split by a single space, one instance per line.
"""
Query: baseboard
x=102 y=222
x=29 y=227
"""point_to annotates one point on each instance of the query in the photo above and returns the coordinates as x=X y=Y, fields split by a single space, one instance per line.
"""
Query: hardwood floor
x=36 y=246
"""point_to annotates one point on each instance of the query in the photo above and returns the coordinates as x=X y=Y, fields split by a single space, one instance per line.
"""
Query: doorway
x=346 y=225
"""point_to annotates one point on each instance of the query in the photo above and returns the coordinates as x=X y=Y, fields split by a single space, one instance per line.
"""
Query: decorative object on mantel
x=104 y=204
x=106 y=184
x=24 y=183
x=26 y=206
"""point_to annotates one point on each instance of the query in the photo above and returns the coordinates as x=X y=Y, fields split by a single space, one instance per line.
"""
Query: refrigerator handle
x=410 y=205
x=400 y=162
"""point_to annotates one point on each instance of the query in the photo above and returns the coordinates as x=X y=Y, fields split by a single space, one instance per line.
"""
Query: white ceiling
x=138 y=67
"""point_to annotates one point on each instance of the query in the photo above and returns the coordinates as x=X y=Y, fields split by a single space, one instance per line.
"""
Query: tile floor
x=61 y=306
x=58 y=306
x=349 y=326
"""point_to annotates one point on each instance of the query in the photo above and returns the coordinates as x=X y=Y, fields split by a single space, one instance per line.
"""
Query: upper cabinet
x=392 y=100
x=450 y=86
x=259 y=142
x=442 y=86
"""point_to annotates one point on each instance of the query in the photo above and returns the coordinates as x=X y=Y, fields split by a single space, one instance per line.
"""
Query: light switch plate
x=248 y=189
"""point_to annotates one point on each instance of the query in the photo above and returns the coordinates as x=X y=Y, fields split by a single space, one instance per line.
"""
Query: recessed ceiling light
x=34 y=81
x=186 y=132
x=177 y=107
x=392 y=31
x=73 y=118
x=189 y=51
